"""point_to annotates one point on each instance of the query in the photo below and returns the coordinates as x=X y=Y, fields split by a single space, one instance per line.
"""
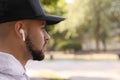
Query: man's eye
x=42 y=28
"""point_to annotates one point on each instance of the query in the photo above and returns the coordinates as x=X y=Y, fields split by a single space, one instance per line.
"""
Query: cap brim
x=51 y=19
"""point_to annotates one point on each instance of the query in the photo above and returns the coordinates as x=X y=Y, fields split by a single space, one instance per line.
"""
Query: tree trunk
x=96 y=7
x=104 y=45
x=97 y=30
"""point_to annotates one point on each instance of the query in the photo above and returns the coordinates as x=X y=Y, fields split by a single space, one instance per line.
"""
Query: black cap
x=12 y=10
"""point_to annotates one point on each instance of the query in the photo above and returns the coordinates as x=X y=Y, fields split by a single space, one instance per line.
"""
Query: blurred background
x=86 y=46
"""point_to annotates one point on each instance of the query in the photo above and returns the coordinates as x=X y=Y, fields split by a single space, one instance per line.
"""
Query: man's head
x=30 y=43
x=23 y=22
x=33 y=36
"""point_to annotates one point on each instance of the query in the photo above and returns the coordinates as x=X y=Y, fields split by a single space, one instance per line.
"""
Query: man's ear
x=19 y=25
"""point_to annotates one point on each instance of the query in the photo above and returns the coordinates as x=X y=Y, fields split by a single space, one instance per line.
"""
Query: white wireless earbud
x=23 y=34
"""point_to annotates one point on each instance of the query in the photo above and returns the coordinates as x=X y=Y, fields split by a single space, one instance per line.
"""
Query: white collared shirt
x=11 y=68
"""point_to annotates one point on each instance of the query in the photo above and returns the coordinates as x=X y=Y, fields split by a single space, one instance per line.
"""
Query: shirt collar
x=10 y=65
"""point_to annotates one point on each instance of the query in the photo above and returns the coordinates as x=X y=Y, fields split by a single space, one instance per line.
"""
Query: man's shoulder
x=5 y=77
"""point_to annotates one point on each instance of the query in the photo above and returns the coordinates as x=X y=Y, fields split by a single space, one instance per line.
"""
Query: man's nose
x=47 y=36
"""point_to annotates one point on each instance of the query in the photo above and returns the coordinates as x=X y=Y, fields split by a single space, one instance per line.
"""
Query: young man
x=22 y=36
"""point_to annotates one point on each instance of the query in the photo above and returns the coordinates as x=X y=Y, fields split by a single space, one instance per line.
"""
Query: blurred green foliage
x=86 y=20
x=69 y=45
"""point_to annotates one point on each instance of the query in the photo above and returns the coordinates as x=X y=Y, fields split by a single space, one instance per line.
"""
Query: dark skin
x=11 y=40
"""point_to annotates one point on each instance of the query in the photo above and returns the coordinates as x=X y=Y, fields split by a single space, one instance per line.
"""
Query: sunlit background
x=69 y=1
x=86 y=46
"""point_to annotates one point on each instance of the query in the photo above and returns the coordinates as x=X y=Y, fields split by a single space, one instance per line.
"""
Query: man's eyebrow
x=43 y=23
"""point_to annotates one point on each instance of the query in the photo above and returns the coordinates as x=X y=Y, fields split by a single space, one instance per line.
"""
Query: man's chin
x=38 y=55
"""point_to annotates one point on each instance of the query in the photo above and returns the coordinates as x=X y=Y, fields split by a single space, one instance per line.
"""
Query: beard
x=36 y=54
